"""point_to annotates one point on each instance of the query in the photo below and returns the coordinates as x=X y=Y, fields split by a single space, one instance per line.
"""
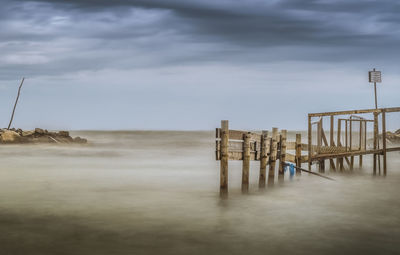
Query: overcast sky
x=187 y=64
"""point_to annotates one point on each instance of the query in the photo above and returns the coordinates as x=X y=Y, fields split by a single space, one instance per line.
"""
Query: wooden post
x=351 y=144
x=339 y=161
x=309 y=143
x=246 y=163
x=265 y=147
x=375 y=139
x=298 y=153
x=361 y=141
x=282 y=159
x=384 y=141
x=332 y=142
x=273 y=154
x=224 y=158
x=319 y=144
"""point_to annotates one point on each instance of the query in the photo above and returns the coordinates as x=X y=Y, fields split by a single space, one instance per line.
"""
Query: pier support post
x=375 y=140
x=384 y=141
x=246 y=163
x=224 y=158
x=265 y=147
x=298 y=153
x=282 y=156
x=273 y=154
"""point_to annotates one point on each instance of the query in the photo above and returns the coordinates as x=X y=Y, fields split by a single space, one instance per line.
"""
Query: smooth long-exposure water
x=157 y=193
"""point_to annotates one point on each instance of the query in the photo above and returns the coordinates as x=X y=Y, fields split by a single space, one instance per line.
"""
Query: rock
x=27 y=133
x=10 y=137
x=63 y=133
x=397 y=132
x=80 y=140
x=39 y=131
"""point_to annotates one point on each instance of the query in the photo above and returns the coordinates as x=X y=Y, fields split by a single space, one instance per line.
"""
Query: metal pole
x=376 y=100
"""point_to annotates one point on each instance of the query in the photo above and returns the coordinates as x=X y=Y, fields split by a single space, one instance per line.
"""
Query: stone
x=39 y=131
x=10 y=137
x=80 y=140
x=63 y=133
x=28 y=133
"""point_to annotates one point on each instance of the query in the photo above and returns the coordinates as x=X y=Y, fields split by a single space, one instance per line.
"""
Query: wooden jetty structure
x=347 y=138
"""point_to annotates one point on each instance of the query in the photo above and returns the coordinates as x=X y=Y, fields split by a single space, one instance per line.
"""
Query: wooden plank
x=265 y=147
x=246 y=163
x=238 y=135
x=345 y=154
x=321 y=114
x=282 y=159
x=273 y=155
x=332 y=142
x=224 y=158
x=384 y=142
x=339 y=131
x=290 y=158
x=393 y=149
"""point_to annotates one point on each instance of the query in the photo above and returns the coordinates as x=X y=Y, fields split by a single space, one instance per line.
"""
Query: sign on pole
x=375 y=76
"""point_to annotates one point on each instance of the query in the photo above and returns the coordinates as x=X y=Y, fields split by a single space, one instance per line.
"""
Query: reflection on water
x=157 y=193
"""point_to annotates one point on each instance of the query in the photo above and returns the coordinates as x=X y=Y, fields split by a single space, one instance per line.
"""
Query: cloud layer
x=53 y=40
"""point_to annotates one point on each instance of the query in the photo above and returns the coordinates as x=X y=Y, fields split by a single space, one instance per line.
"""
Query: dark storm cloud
x=66 y=36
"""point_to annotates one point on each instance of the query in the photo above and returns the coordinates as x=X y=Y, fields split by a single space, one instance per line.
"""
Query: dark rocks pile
x=37 y=136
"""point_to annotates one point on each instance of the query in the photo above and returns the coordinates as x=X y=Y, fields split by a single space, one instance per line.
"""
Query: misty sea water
x=157 y=192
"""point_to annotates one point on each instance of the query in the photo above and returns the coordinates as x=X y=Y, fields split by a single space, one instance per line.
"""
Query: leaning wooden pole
x=224 y=158
x=16 y=101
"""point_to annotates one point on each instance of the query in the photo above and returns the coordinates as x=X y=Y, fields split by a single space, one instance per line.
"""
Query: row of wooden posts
x=247 y=146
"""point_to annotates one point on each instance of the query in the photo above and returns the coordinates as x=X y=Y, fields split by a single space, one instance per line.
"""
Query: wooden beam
x=345 y=154
x=309 y=142
x=321 y=114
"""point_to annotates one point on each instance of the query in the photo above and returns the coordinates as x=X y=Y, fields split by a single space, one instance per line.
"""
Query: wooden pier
x=348 y=138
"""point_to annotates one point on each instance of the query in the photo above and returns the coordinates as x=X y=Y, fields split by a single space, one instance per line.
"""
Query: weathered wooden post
x=309 y=143
x=339 y=161
x=273 y=154
x=361 y=142
x=319 y=144
x=384 y=141
x=265 y=148
x=351 y=144
x=282 y=156
x=246 y=162
x=332 y=142
x=375 y=139
x=298 y=153
x=224 y=158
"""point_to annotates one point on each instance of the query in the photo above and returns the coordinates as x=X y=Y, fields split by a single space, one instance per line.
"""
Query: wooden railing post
x=375 y=139
x=224 y=158
x=310 y=154
x=265 y=146
x=384 y=141
x=246 y=162
x=273 y=154
x=282 y=156
x=298 y=153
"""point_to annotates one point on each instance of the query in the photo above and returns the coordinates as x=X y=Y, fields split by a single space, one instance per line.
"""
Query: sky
x=187 y=64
